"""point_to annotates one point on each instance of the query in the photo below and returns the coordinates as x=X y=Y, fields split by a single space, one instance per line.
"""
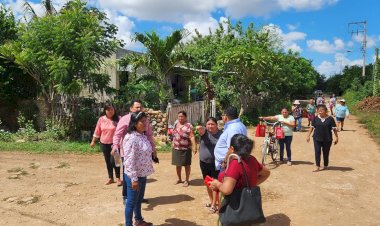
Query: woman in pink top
x=105 y=129
x=137 y=166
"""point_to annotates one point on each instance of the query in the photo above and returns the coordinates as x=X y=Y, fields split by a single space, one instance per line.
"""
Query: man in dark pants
x=121 y=130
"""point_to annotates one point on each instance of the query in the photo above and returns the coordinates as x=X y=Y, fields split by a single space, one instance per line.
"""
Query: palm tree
x=160 y=58
x=48 y=5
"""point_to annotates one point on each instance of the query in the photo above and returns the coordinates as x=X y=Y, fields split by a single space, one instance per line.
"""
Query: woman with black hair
x=104 y=130
x=232 y=178
x=208 y=138
x=137 y=166
x=323 y=126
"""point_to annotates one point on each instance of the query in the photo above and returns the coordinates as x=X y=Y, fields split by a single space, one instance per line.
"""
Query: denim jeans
x=287 y=141
x=133 y=205
x=299 y=124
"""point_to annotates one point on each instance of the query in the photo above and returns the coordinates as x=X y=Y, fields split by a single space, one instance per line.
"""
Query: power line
x=363 y=29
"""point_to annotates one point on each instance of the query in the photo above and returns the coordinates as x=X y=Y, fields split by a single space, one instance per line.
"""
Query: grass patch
x=371 y=121
x=49 y=147
x=46 y=147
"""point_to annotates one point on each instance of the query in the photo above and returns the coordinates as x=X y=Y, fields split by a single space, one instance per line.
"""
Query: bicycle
x=271 y=145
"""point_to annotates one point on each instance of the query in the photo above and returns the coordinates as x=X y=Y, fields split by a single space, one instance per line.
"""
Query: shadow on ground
x=151 y=180
x=164 y=200
x=175 y=221
x=302 y=163
x=197 y=182
x=340 y=168
x=276 y=220
x=32 y=216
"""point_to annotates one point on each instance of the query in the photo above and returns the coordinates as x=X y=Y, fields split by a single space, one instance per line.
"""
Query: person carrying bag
x=238 y=184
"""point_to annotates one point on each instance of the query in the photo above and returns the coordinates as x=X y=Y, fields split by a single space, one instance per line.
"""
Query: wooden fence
x=197 y=111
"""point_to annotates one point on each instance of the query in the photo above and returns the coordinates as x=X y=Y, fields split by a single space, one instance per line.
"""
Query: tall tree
x=63 y=53
x=159 y=59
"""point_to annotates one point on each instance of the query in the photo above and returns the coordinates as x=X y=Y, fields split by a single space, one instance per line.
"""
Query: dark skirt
x=181 y=157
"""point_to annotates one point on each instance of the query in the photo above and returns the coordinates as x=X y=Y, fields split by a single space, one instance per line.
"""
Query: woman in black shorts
x=208 y=139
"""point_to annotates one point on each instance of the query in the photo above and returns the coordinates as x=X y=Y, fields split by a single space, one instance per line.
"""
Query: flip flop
x=186 y=183
x=110 y=181
x=213 y=209
x=178 y=182
x=316 y=170
x=208 y=205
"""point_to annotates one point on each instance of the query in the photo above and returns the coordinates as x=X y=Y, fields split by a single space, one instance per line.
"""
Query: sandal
x=213 y=209
x=110 y=181
x=186 y=183
x=178 y=182
x=317 y=170
x=119 y=182
x=208 y=205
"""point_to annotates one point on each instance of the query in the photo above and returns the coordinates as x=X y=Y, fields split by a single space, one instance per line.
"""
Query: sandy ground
x=67 y=189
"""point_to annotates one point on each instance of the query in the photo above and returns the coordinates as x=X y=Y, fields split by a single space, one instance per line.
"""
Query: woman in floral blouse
x=183 y=143
x=137 y=166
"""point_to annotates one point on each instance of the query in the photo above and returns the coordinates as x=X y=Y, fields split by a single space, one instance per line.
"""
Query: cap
x=343 y=100
x=296 y=102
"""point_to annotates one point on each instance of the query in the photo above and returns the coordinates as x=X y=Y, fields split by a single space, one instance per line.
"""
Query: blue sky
x=318 y=29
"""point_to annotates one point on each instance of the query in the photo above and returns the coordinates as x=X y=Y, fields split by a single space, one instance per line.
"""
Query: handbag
x=279 y=131
x=260 y=130
x=243 y=206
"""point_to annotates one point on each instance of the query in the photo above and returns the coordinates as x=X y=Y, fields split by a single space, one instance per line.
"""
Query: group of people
x=322 y=126
x=131 y=136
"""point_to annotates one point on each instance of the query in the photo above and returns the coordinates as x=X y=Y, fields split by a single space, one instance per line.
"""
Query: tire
x=274 y=154
x=264 y=153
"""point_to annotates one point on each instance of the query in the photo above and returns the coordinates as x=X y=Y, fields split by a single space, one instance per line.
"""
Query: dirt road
x=69 y=189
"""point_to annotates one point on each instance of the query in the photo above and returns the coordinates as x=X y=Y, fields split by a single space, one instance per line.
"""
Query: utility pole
x=364 y=31
x=376 y=74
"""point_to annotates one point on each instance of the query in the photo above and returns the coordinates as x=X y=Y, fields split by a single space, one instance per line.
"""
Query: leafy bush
x=247 y=119
x=6 y=136
x=26 y=130
x=54 y=132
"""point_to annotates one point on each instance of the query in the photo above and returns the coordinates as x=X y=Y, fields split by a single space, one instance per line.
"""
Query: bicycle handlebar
x=272 y=123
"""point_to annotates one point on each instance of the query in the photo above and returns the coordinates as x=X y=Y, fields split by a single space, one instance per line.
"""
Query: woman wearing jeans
x=137 y=166
x=287 y=122
x=322 y=125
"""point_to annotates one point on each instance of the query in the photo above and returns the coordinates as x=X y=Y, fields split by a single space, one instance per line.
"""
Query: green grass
x=49 y=147
x=59 y=147
x=371 y=121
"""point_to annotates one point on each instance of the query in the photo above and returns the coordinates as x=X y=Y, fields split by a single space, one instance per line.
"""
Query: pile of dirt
x=370 y=104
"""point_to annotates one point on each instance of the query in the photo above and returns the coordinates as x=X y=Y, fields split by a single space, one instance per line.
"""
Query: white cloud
x=340 y=61
x=203 y=26
x=124 y=25
x=305 y=4
x=289 y=39
x=371 y=40
x=324 y=46
x=339 y=44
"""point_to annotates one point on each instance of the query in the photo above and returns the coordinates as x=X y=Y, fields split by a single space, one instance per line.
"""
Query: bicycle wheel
x=264 y=152
x=275 y=151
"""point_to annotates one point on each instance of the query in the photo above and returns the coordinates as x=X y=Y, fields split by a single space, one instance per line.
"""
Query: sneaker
x=289 y=163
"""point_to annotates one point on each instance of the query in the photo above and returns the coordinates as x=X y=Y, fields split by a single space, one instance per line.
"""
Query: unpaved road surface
x=66 y=189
